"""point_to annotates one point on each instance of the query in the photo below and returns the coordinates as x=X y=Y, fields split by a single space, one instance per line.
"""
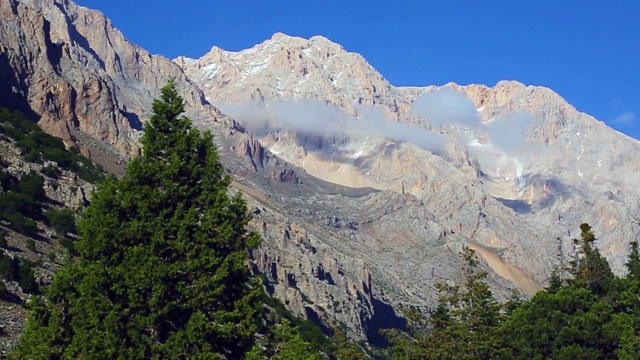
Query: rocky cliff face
x=291 y=68
x=518 y=166
x=364 y=192
x=70 y=70
x=64 y=190
x=80 y=78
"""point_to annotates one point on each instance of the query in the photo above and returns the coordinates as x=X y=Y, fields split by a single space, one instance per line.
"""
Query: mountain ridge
x=280 y=38
x=296 y=70
x=90 y=111
x=383 y=248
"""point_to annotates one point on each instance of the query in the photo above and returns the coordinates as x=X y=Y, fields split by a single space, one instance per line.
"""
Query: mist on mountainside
x=500 y=145
x=316 y=118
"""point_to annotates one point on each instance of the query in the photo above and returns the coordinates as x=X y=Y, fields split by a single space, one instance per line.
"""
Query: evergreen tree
x=571 y=323
x=347 y=350
x=633 y=262
x=514 y=301
x=3 y=239
x=555 y=281
x=62 y=221
x=163 y=260
x=595 y=315
x=288 y=344
x=591 y=270
x=462 y=324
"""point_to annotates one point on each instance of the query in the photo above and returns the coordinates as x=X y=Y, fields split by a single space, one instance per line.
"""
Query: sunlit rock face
x=364 y=192
x=509 y=166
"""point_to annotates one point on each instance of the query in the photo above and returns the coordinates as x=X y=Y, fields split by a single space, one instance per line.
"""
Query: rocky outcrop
x=64 y=190
x=70 y=70
x=529 y=170
x=336 y=252
x=310 y=276
x=288 y=67
x=73 y=72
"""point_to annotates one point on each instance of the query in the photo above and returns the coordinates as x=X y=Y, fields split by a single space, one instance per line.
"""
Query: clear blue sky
x=588 y=51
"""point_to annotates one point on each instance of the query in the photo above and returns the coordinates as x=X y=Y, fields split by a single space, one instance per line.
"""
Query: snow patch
x=211 y=70
x=475 y=143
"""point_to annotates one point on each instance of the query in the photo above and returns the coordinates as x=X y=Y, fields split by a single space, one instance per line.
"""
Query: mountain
x=364 y=192
x=80 y=78
x=67 y=68
x=520 y=166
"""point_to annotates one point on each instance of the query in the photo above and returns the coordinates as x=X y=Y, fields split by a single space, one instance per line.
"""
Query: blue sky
x=588 y=51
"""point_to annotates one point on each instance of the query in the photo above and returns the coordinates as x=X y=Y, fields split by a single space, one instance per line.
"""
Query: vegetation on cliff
x=37 y=146
x=23 y=200
x=585 y=313
x=162 y=270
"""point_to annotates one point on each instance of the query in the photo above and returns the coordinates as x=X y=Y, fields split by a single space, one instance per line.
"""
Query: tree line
x=586 y=312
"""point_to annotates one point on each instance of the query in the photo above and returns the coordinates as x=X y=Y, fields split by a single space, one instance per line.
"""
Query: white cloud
x=446 y=106
x=510 y=132
x=626 y=118
x=507 y=134
x=317 y=118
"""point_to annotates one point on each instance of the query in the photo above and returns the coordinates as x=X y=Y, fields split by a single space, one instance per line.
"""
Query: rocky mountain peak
x=287 y=67
x=80 y=78
x=512 y=168
x=68 y=69
x=279 y=36
x=511 y=140
x=289 y=41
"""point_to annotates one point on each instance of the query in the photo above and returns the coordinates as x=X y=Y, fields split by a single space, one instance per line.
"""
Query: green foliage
x=8 y=267
x=555 y=282
x=51 y=171
x=7 y=181
x=313 y=335
x=21 y=200
x=345 y=348
x=24 y=195
x=287 y=343
x=14 y=269
x=633 y=263
x=308 y=331
x=592 y=315
x=162 y=269
x=27 y=278
x=3 y=290
x=37 y=146
x=591 y=270
x=69 y=245
x=462 y=323
x=3 y=239
x=63 y=221
x=22 y=224
x=32 y=186
x=31 y=244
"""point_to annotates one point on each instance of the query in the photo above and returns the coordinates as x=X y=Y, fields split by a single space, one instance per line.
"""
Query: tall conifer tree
x=633 y=262
x=591 y=270
x=162 y=271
